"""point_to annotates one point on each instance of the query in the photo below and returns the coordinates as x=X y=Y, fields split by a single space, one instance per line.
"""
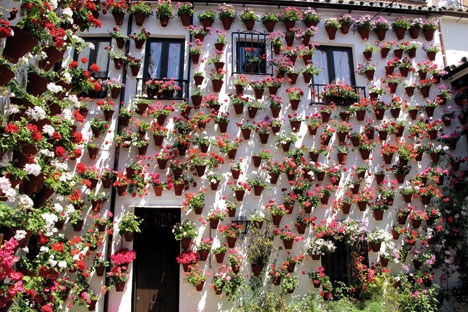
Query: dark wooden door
x=156 y=273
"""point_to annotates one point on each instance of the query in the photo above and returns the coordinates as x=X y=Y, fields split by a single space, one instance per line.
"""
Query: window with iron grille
x=339 y=265
x=249 y=53
x=98 y=56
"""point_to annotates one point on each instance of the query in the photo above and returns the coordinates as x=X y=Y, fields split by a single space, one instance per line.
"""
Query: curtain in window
x=320 y=59
x=342 y=73
x=173 y=68
x=154 y=67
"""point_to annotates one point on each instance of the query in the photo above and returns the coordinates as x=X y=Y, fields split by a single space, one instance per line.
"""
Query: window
x=336 y=64
x=164 y=59
x=249 y=53
x=97 y=55
x=339 y=265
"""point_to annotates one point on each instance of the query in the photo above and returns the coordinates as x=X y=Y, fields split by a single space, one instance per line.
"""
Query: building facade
x=285 y=145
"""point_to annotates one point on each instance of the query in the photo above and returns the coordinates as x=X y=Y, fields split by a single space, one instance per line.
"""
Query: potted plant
x=249 y=17
x=185 y=12
x=163 y=12
x=332 y=24
x=345 y=20
x=259 y=249
x=269 y=19
x=227 y=14
x=185 y=232
x=141 y=10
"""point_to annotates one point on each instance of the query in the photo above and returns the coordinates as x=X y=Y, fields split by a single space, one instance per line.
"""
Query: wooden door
x=156 y=272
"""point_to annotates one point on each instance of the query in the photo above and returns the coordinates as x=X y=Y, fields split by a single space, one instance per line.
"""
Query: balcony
x=344 y=94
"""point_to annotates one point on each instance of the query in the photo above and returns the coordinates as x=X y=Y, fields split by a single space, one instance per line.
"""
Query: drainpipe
x=116 y=156
x=442 y=42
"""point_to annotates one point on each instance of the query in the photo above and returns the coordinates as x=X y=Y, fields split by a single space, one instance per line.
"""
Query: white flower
x=48 y=129
x=67 y=11
x=54 y=4
x=44 y=249
x=47 y=153
x=4 y=184
x=62 y=264
x=67 y=114
x=20 y=234
x=25 y=201
x=33 y=169
x=36 y=113
x=58 y=207
x=13 y=109
x=54 y=88
x=52 y=262
x=67 y=78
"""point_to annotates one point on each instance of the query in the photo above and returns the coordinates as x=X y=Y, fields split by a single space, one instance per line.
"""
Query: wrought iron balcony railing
x=317 y=96
x=181 y=94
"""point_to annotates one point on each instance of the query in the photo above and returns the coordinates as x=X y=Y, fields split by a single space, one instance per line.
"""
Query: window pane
x=86 y=52
x=101 y=58
x=154 y=67
x=320 y=60
x=342 y=71
x=173 y=70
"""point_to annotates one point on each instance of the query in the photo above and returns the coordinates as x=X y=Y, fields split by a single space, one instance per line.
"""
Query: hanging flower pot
x=400 y=33
x=384 y=52
x=164 y=21
x=425 y=91
x=185 y=19
x=342 y=158
x=414 y=32
x=378 y=215
x=249 y=24
x=217 y=85
x=398 y=53
x=258 y=189
x=409 y=90
x=6 y=74
x=36 y=84
x=381 y=34
x=53 y=56
x=364 y=33
x=220 y=257
x=429 y=34
x=118 y=18
x=331 y=32
x=198 y=80
x=232 y=153
x=18 y=45
x=239 y=194
x=276 y=220
x=362 y=205
x=264 y=137
x=375 y=247
x=269 y=25
x=288 y=243
x=118 y=63
x=231 y=241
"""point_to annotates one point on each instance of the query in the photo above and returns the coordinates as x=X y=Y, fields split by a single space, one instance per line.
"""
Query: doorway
x=156 y=273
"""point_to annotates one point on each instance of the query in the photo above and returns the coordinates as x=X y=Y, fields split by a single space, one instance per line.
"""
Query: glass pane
x=101 y=59
x=86 y=52
x=320 y=60
x=154 y=66
x=173 y=66
x=342 y=72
